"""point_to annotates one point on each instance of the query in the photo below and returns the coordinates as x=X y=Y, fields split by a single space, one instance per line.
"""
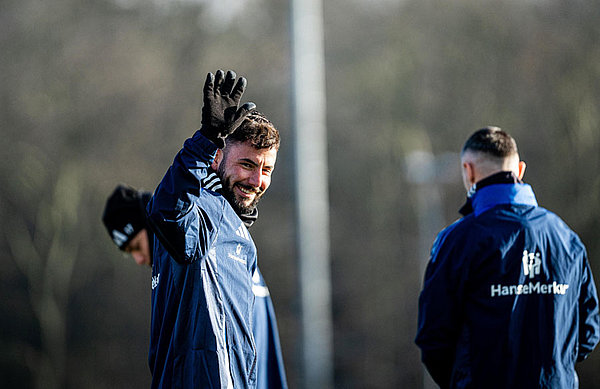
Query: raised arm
x=177 y=214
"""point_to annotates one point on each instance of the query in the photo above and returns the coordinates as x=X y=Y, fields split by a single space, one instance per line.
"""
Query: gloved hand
x=221 y=113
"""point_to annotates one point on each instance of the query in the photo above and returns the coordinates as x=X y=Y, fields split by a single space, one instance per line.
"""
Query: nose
x=256 y=179
x=139 y=258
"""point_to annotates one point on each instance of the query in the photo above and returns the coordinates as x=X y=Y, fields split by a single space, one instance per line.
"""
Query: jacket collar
x=499 y=188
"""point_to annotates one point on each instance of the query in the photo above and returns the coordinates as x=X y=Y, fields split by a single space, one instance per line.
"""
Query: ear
x=468 y=174
x=217 y=161
x=522 y=167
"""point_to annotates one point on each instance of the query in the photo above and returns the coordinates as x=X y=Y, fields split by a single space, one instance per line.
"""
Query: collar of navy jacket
x=499 y=188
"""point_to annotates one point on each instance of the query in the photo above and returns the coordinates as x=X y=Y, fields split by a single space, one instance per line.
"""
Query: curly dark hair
x=492 y=141
x=258 y=130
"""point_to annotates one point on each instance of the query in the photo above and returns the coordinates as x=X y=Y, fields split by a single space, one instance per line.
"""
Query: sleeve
x=181 y=225
x=589 y=318
x=440 y=309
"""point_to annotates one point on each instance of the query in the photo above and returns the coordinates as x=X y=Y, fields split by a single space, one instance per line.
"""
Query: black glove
x=220 y=113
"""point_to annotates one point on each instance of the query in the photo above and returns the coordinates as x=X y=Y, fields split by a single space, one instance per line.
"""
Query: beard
x=239 y=206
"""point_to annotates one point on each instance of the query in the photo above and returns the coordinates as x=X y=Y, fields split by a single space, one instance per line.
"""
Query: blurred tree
x=43 y=241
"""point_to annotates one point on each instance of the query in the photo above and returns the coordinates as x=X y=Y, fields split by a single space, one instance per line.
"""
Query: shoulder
x=212 y=201
x=459 y=228
x=450 y=235
x=561 y=231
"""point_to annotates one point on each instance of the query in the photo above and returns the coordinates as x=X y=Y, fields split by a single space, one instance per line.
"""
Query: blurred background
x=100 y=92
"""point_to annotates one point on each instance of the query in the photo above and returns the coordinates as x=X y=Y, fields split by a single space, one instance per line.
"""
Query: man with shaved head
x=508 y=299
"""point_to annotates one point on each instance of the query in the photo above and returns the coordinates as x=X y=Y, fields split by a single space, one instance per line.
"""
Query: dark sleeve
x=440 y=309
x=589 y=319
x=176 y=215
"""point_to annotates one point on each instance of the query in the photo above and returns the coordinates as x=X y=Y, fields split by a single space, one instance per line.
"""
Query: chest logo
x=155 y=281
x=532 y=264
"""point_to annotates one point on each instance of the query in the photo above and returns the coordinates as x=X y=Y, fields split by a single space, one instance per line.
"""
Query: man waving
x=204 y=256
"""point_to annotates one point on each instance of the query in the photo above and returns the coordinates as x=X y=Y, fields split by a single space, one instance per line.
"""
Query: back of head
x=491 y=141
x=489 y=151
x=124 y=214
x=258 y=130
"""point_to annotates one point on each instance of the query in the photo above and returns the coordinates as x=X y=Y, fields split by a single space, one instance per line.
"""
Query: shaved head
x=488 y=151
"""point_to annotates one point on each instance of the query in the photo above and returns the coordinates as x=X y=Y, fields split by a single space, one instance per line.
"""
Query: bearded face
x=243 y=198
x=245 y=174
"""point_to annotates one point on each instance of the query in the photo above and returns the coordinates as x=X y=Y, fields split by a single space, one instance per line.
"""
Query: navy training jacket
x=202 y=299
x=270 y=367
x=508 y=299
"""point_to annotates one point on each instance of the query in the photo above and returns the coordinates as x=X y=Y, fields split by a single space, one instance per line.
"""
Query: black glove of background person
x=220 y=113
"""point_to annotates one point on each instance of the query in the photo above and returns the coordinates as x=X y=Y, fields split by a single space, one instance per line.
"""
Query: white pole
x=312 y=204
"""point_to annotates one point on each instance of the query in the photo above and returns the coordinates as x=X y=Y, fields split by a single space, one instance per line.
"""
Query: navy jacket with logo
x=202 y=298
x=508 y=299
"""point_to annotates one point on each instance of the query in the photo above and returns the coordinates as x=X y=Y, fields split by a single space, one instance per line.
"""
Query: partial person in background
x=204 y=257
x=270 y=367
x=508 y=300
x=124 y=217
x=125 y=220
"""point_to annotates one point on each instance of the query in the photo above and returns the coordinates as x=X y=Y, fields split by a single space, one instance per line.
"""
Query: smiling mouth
x=246 y=191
